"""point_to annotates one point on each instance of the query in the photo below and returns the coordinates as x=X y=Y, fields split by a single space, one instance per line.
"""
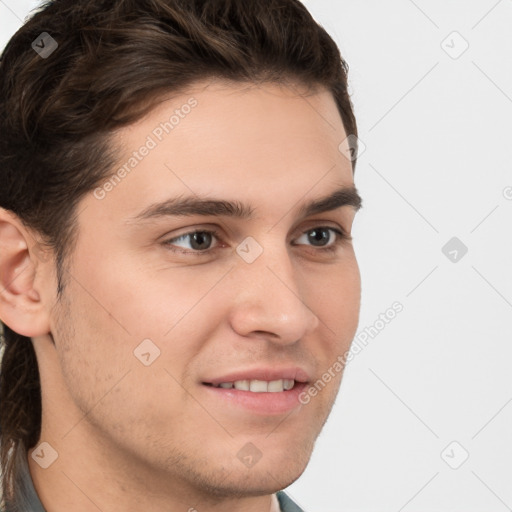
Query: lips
x=266 y=375
x=259 y=386
x=261 y=391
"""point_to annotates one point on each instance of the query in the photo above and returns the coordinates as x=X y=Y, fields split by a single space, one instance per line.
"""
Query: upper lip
x=267 y=373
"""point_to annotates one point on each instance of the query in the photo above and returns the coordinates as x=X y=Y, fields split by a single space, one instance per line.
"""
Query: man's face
x=153 y=318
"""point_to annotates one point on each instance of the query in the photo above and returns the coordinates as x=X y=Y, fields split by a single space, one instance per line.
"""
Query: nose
x=269 y=301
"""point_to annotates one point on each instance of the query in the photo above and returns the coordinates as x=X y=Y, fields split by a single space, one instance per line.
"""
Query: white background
x=437 y=165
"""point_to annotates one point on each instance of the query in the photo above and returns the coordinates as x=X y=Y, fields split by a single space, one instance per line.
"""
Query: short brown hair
x=114 y=60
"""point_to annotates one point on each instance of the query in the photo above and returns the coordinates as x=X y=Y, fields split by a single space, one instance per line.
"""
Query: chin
x=274 y=471
x=278 y=468
x=256 y=481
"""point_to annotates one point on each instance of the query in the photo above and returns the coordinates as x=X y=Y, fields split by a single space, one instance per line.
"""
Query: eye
x=199 y=242
x=322 y=235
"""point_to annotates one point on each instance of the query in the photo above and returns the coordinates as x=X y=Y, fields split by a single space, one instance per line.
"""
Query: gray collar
x=25 y=496
x=27 y=500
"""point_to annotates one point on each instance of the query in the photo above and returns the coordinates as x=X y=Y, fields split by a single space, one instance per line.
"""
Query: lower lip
x=266 y=403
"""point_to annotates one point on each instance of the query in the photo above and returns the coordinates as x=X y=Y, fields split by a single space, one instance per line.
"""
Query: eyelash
x=341 y=237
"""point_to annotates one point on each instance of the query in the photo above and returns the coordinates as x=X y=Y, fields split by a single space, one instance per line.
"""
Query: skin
x=135 y=437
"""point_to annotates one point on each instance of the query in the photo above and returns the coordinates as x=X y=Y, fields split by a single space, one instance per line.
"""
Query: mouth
x=262 y=392
x=257 y=386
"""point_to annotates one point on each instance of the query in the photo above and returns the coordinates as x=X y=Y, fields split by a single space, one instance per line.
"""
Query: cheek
x=155 y=301
x=108 y=327
x=335 y=297
x=92 y=349
x=111 y=387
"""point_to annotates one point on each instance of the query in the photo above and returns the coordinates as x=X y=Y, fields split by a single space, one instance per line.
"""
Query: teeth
x=288 y=384
x=260 y=386
x=276 y=385
x=242 y=385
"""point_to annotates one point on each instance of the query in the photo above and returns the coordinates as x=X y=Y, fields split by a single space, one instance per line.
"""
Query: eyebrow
x=189 y=205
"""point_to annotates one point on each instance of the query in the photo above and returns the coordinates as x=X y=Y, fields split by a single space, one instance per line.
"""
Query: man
x=176 y=268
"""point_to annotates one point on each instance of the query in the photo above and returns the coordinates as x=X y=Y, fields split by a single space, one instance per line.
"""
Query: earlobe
x=21 y=307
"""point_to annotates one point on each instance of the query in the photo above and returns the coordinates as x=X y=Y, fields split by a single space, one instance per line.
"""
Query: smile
x=259 y=386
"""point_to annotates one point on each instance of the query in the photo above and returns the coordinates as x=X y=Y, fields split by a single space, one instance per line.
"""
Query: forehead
x=260 y=144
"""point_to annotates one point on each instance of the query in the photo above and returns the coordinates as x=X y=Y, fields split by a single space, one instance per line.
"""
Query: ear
x=21 y=307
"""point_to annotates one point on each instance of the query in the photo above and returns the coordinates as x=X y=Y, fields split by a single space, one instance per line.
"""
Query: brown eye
x=199 y=241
